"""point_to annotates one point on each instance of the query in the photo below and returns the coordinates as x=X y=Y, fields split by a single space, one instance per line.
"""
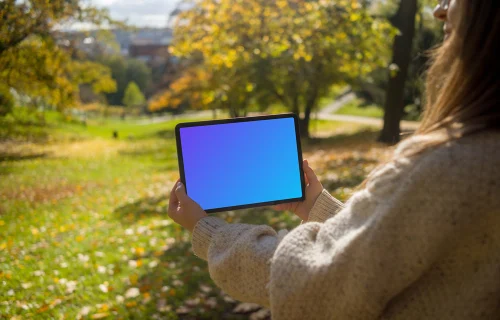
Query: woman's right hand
x=313 y=190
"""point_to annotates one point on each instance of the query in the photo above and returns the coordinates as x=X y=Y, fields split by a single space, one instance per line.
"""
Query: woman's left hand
x=182 y=209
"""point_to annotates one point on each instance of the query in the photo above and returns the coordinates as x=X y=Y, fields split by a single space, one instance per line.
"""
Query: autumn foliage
x=34 y=58
x=236 y=53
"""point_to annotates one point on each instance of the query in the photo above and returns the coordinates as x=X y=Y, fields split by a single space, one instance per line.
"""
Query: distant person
x=421 y=237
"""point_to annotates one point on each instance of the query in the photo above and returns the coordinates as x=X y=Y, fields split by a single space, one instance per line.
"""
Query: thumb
x=180 y=192
x=311 y=176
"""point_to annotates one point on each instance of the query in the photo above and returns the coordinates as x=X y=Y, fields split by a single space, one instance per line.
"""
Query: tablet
x=241 y=163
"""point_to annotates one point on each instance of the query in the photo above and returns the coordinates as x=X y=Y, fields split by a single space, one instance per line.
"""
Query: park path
x=327 y=114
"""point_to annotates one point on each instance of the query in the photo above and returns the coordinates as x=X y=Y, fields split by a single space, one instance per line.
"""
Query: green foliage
x=6 y=100
x=124 y=71
x=133 y=96
x=140 y=73
x=33 y=62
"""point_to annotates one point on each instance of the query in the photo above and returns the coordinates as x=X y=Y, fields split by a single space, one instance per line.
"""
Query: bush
x=6 y=101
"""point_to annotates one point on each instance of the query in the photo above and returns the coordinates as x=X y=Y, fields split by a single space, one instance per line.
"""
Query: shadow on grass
x=358 y=140
x=179 y=284
x=130 y=213
x=166 y=134
x=346 y=173
x=20 y=157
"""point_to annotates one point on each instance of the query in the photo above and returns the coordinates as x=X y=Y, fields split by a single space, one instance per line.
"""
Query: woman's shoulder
x=482 y=147
x=468 y=161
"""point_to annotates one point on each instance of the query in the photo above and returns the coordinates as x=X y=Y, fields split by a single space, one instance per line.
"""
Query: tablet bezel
x=238 y=120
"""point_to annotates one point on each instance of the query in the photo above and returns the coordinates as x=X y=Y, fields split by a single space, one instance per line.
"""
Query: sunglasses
x=444 y=4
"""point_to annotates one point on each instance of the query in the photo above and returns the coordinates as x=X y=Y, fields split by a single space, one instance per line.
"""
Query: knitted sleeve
x=222 y=244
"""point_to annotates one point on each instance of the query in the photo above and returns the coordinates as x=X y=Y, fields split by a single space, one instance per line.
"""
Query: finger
x=304 y=164
x=180 y=192
x=311 y=176
x=173 y=201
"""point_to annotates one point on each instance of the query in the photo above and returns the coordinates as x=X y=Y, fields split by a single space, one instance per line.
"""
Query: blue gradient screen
x=235 y=164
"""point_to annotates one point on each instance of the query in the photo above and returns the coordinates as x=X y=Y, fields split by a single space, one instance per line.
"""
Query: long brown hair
x=463 y=82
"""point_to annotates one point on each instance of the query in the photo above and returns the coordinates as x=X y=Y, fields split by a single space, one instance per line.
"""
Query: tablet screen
x=241 y=164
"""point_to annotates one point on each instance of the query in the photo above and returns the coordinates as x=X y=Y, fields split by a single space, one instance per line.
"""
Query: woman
x=420 y=239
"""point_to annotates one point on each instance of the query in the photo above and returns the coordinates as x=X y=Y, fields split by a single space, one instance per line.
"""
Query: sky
x=143 y=13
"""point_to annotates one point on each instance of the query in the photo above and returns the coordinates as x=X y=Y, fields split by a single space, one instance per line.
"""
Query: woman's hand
x=313 y=190
x=182 y=209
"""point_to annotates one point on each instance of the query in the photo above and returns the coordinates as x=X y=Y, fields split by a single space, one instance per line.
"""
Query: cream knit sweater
x=421 y=241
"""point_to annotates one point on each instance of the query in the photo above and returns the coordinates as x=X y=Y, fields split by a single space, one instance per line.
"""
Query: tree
x=124 y=71
x=35 y=59
x=404 y=20
x=285 y=51
x=138 y=72
x=133 y=96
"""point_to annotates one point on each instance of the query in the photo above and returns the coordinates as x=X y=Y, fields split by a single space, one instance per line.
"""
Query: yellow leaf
x=101 y=315
x=133 y=278
x=104 y=307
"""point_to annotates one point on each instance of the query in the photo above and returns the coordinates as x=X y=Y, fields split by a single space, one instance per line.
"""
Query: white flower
x=178 y=283
x=119 y=299
x=142 y=229
x=104 y=287
x=152 y=242
x=56 y=272
x=71 y=286
x=85 y=311
x=63 y=281
x=26 y=285
x=99 y=254
x=64 y=265
x=83 y=257
x=38 y=273
x=165 y=288
x=101 y=269
x=129 y=232
x=165 y=223
x=50 y=287
x=10 y=292
x=153 y=264
x=111 y=268
x=132 y=264
x=132 y=293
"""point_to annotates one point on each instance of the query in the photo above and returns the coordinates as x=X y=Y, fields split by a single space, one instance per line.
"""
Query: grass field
x=83 y=226
x=354 y=108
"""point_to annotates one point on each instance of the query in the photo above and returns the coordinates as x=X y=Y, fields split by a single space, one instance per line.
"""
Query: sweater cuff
x=203 y=233
x=324 y=208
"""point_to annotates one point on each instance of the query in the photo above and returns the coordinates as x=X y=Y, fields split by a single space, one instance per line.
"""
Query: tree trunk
x=304 y=122
x=403 y=43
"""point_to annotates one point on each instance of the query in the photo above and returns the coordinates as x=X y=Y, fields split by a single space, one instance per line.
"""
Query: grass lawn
x=354 y=108
x=83 y=226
